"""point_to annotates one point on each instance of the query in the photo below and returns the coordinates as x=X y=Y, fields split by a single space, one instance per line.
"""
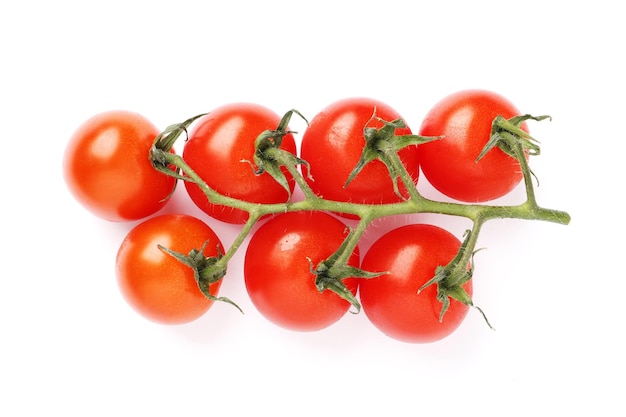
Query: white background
x=71 y=346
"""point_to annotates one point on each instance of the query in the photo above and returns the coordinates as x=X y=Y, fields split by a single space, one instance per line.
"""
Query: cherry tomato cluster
x=357 y=160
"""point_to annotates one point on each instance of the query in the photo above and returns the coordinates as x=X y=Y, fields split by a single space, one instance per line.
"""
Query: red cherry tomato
x=217 y=150
x=106 y=167
x=391 y=302
x=154 y=283
x=278 y=272
x=332 y=145
x=449 y=164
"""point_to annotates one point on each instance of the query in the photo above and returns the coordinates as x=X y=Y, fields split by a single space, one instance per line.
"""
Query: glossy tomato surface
x=106 y=167
x=464 y=119
x=391 y=302
x=332 y=145
x=278 y=274
x=157 y=285
x=220 y=149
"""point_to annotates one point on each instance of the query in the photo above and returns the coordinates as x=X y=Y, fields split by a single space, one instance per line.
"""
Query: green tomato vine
x=380 y=144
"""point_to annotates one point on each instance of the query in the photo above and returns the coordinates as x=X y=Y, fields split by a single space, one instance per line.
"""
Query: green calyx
x=329 y=276
x=508 y=135
x=330 y=273
x=451 y=278
x=269 y=157
x=166 y=139
x=206 y=270
x=163 y=144
x=383 y=144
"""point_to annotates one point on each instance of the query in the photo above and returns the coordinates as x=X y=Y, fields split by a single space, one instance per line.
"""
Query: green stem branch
x=331 y=271
x=528 y=211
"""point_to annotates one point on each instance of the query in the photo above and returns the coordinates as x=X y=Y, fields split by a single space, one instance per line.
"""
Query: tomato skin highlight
x=278 y=274
x=332 y=145
x=107 y=170
x=391 y=302
x=217 y=150
x=464 y=119
x=155 y=284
